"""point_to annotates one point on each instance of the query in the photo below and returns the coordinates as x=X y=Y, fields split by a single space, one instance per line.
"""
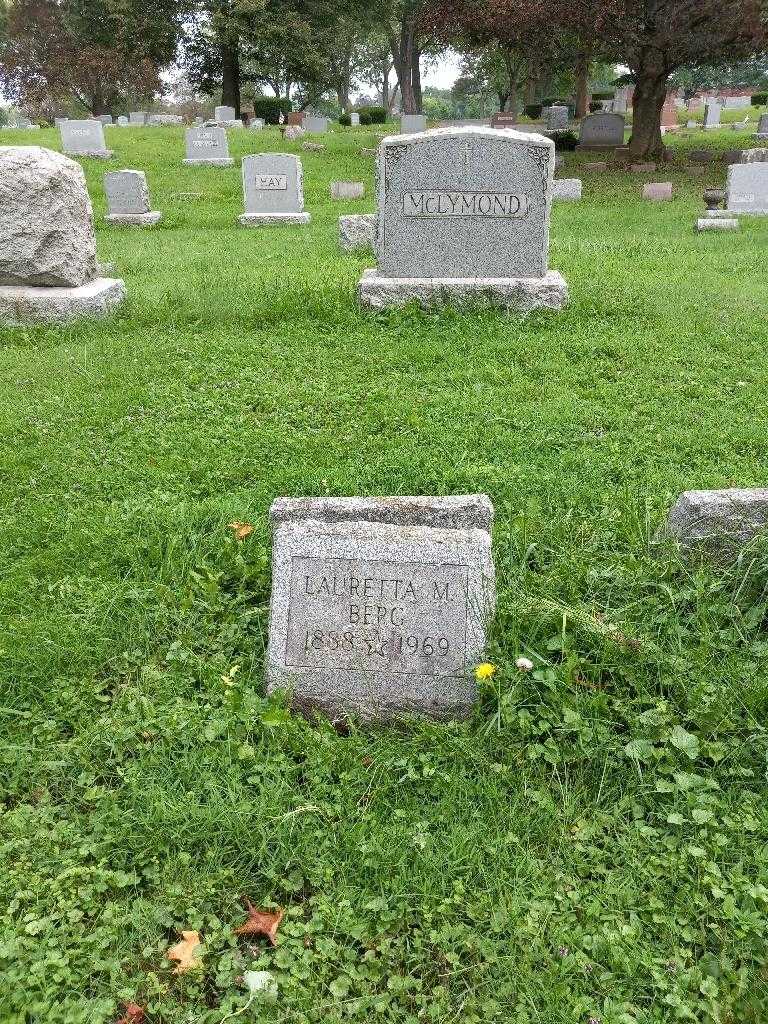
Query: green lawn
x=594 y=844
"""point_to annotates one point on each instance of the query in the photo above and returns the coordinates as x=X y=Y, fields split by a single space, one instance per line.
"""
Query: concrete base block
x=356 y=231
x=21 y=305
x=217 y=162
x=95 y=154
x=717 y=224
x=518 y=294
x=257 y=220
x=140 y=220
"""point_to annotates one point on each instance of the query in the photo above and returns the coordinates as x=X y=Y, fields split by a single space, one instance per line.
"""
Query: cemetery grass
x=593 y=843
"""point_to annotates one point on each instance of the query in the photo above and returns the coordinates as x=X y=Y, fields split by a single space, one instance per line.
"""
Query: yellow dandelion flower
x=485 y=671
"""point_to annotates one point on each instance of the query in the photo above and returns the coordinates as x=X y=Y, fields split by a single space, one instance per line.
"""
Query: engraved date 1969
x=391 y=647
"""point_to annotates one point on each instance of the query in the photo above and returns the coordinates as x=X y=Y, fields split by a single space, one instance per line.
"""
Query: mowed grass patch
x=593 y=843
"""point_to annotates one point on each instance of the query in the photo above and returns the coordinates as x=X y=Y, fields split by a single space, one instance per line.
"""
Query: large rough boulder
x=46 y=220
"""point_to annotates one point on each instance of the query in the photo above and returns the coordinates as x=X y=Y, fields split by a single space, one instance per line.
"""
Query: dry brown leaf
x=184 y=952
x=241 y=530
x=134 y=1014
x=260 y=922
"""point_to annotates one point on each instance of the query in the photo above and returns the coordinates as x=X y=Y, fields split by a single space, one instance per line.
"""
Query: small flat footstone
x=718 y=523
x=566 y=189
x=356 y=231
x=658 y=191
x=141 y=220
x=717 y=224
x=255 y=220
x=380 y=606
x=21 y=305
x=347 y=189
x=514 y=294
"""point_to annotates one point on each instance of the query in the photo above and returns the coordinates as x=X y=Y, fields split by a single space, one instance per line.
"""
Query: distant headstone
x=754 y=156
x=718 y=523
x=293 y=132
x=658 y=191
x=224 y=113
x=105 y=118
x=48 y=268
x=207 y=146
x=410 y=124
x=644 y=168
x=602 y=131
x=256 y=123
x=566 y=189
x=137 y=117
x=747 y=189
x=557 y=118
x=712 y=113
x=717 y=224
x=313 y=147
x=123 y=121
x=354 y=120
x=356 y=231
x=762 y=127
x=503 y=119
x=347 y=189
x=128 y=199
x=669 y=114
x=621 y=99
x=380 y=606
x=155 y=120
x=463 y=215
x=84 y=138
x=295 y=118
x=315 y=123
x=273 y=190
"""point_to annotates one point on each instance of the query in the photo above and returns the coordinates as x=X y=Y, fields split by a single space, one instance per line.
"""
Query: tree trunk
x=418 y=98
x=582 y=83
x=385 y=99
x=402 y=54
x=230 y=76
x=650 y=93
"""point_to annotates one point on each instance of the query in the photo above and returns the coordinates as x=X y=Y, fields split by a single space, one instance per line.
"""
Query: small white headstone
x=224 y=113
x=347 y=189
x=354 y=119
x=84 y=138
x=566 y=189
x=747 y=189
x=602 y=131
x=137 y=116
x=712 y=113
x=315 y=123
x=273 y=190
x=410 y=124
x=207 y=145
x=128 y=199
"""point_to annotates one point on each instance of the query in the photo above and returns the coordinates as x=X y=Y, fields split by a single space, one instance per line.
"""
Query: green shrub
x=378 y=115
x=566 y=140
x=759 y=99
x=346 y=120
x=270 y=108
x=365 y=117
x=533 y=110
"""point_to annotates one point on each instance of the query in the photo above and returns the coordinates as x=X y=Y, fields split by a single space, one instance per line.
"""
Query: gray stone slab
x=701 y=156
x=658 y=191
x=21 y=305
x=105 y=118
x=464 y=203
x=717 y=224
x=158 y=120
x=84 y=138
x=137 y=117
x=762 y=126
x=556 y=118
x=515 y=295
x=224 y=113
x=354 y=119
x=356 y=231
x=747 y=189
x=123 y=121
x=127 y=192
x=380 y=615
x=316 y=124
x=411 y=124
x=347 y=189
x=712 y=112
x=566 y=189
x=718 y=523
x=260 y=220
x=46 y=220
x=602 y=130
x=207 y=145
x=273 y=189
x=758 y=155
x=597 y=167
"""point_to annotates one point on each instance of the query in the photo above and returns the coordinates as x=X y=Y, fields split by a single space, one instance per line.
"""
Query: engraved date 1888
x=392 y=647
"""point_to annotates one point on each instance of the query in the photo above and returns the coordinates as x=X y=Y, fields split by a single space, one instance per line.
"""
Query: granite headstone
x=84 y=138
x=207 y=145
x=273 y=190
x=128 y=199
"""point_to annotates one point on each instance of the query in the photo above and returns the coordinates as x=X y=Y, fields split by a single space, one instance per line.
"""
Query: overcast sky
x=444 y=73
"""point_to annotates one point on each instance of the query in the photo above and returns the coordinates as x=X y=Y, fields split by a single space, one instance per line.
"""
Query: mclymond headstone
x=84 y=138
x=224 y=113
x=273 y=190
x=602 y=131
x=380 y=606
x=48 y=268
x=463 y=215
x=747 y=188
x=128 y=199
x=712 y=113
x=207 y=145
x=412 y=123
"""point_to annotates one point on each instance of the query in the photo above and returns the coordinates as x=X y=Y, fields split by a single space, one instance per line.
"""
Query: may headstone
x=137 y=117
x=747 y=189
x=224 y=113
x=128 y=199
x=347 y=189
x=48 y=268
x=315 y=123
x=84 y=138
x=410 y=124
x=463 y=215
x=602 y=131
x=207 y=146
x=557 y=118
x=354 y=119
x=273 y=190
x=356 y=231
x=380 y=606
x=712 y=113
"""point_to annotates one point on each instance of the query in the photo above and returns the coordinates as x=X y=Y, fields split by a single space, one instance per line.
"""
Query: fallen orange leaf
x=260 y=922
x=134 y=1014
x=242 y=530
x=184 y=952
